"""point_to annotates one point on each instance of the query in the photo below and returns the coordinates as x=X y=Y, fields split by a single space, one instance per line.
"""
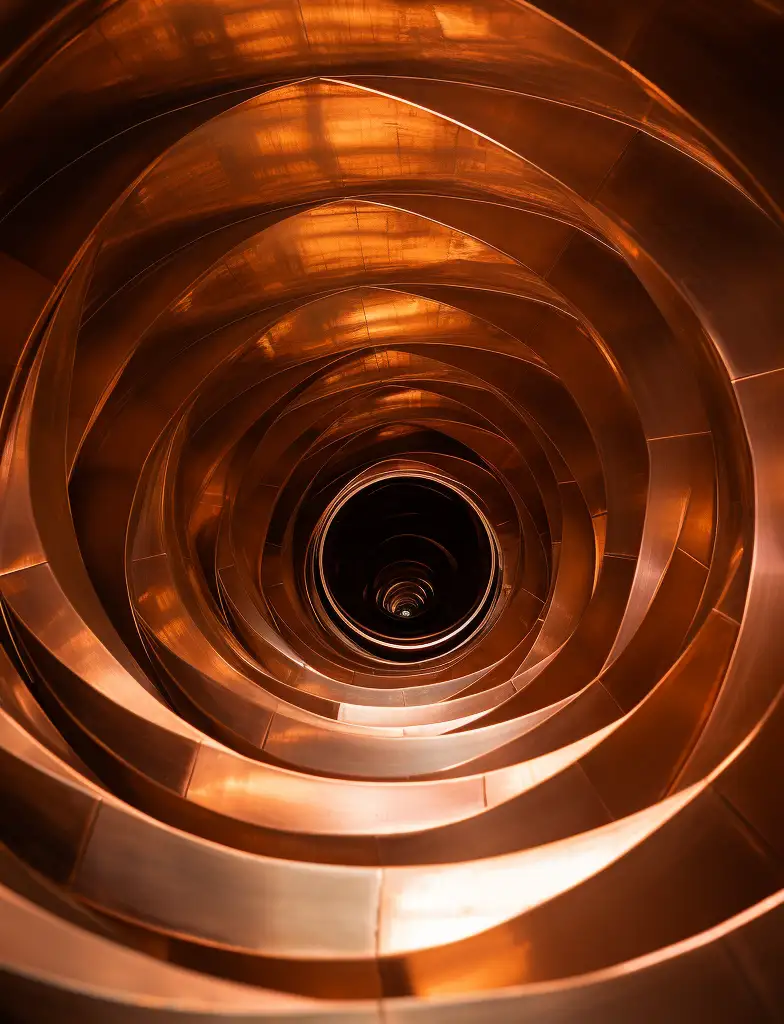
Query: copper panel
x=498 y=285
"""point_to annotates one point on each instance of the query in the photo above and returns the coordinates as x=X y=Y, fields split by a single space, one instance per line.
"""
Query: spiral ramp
x=392 y=516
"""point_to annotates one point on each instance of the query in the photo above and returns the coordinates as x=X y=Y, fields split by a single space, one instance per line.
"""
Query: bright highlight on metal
x=391 y=511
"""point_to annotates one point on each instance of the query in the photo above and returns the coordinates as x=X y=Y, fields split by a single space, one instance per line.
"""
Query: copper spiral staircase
x=392 y=511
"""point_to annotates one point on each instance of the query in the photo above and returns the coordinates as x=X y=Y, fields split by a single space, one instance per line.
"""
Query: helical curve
x=392 y=521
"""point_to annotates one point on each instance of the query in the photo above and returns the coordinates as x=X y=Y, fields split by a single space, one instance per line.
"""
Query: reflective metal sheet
x=272 y=252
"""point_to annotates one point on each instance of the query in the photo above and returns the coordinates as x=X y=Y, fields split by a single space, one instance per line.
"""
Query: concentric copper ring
x=259 y=257
x=405 y=586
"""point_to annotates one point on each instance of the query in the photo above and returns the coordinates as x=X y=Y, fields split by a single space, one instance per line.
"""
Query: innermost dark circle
x=407 y=568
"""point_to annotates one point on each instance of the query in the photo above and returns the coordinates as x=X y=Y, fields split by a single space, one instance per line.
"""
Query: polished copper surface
x=258 y=259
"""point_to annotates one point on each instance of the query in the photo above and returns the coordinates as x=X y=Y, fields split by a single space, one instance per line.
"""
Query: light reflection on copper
x=273 y=251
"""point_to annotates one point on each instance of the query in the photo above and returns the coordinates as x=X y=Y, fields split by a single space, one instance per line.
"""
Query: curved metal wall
x=254 y=253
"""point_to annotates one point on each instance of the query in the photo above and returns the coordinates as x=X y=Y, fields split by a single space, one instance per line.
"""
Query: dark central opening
x=407 y=568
